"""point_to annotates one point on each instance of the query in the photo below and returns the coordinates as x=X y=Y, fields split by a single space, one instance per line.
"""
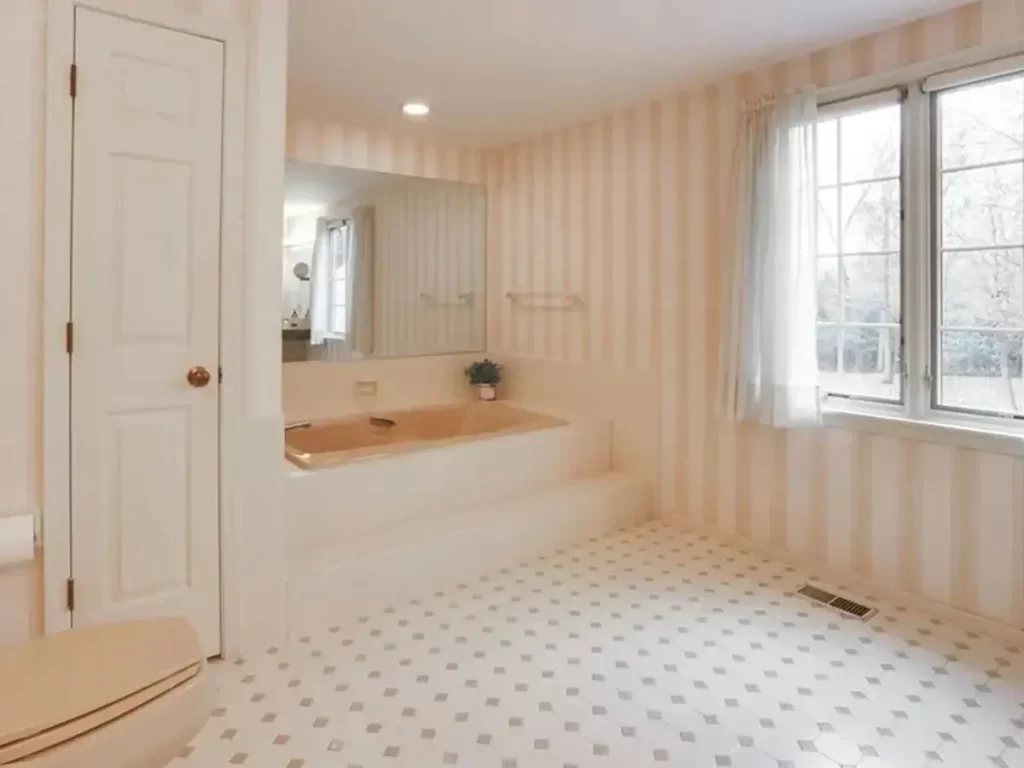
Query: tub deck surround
x=627 y=398
x=330 y=443
x=333 y=506
x=440 y=550
x=418 y=500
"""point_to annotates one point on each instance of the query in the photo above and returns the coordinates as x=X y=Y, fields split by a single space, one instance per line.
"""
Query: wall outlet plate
x=366 y=388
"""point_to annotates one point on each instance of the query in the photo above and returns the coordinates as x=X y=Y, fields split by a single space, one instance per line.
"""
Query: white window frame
x=919 y=416
x=839 y=109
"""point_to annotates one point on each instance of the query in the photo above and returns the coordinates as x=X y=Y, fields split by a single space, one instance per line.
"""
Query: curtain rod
x=771 y=98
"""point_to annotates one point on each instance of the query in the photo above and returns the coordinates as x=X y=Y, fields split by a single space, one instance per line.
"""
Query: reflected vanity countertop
x=295 y=334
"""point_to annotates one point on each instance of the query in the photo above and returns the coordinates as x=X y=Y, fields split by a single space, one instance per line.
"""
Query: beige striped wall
x=354 y=147
x=631 y=211
x=428 y=268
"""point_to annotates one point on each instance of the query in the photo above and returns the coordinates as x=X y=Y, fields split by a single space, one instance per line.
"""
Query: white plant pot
x=487 y=391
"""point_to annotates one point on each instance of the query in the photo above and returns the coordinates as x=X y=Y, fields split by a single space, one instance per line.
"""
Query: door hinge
x=71 y=594
x=220 y=374
x=73 y=84
x=69 y=337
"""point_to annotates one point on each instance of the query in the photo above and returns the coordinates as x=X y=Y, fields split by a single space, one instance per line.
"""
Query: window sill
x=980 y=436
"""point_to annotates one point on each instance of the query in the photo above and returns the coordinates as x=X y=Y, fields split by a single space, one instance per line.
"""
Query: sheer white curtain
x=329 y=256
x=320 y=284
x=769 y=359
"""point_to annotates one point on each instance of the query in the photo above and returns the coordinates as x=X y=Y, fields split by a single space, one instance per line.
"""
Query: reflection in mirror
x=380 y=265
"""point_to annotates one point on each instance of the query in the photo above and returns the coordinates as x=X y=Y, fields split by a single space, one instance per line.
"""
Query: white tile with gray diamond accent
x=654 y=646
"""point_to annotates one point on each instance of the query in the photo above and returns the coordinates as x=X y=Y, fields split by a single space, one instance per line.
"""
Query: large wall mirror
x=380 y=265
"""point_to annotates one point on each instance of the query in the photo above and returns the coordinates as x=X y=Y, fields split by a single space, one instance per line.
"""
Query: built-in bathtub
x=330 y=443
x=421 y=499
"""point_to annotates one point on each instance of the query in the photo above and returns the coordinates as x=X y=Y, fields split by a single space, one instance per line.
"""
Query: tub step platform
x=331 y=509
x=417 y=558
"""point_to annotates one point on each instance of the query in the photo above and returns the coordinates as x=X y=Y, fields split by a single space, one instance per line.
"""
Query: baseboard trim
x=862 y=585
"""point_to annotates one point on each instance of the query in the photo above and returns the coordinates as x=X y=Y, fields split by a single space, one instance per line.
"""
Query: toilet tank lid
x=49 y=681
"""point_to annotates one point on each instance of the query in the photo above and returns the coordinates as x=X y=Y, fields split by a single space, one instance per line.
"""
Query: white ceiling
x=498 y=71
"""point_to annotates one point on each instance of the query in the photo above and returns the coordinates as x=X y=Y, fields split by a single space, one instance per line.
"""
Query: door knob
x=198 y=376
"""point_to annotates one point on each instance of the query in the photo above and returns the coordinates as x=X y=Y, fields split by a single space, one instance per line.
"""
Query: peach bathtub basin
x=339 y=441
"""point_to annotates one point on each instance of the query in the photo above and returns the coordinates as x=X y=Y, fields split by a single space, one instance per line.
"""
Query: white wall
x=21 y=189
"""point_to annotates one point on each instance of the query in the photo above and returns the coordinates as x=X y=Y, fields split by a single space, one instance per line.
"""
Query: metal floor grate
x=851 y=607
x=842 y=605
x=816 y=594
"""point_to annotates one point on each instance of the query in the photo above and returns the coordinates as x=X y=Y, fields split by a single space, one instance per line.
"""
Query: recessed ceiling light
x=415 y=109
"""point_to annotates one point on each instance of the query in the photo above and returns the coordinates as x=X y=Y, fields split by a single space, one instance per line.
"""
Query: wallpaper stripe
x=606 y=183
x=1016 y=616
x=554 y=266
x=537 y=254
x=839 y=511
x=938 y=534
x=965 y=493
x=566 y=280
x=665 y=292
x=911 y=502
x=356 y=147
x=695 y=311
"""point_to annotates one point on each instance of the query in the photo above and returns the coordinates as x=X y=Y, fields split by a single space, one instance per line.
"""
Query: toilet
x=127 y=695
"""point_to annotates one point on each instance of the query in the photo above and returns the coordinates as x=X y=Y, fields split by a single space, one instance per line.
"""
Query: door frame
x=56 y=294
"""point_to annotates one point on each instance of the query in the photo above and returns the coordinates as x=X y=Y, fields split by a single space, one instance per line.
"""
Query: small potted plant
x=485 y=375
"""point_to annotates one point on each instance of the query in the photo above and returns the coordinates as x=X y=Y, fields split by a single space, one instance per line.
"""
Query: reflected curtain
x=359 y=286
x=320 y=284
x=769 y=359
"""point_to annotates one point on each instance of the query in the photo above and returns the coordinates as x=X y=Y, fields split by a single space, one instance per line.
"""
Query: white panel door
x=145 y=307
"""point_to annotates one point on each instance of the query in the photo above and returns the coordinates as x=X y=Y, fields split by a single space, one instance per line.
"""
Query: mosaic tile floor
x=651 y=647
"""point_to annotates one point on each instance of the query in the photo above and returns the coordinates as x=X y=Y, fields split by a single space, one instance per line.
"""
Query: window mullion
x=916 y=179
x=840 y=272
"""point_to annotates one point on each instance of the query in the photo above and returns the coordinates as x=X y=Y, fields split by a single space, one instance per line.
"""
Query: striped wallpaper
x=353 y=147
x=630 y=211
x=429 y=268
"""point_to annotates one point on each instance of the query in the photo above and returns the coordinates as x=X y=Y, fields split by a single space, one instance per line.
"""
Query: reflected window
x=340 y=242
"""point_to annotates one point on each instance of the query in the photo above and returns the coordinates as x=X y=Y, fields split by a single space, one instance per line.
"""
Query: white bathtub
x=333 y=442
